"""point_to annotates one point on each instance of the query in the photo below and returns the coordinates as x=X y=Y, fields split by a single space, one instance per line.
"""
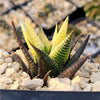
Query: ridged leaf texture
x=61 y=53
x=29 y=34
x=44 y=39
x=48 y=63
x=78 y=53
x=29 y=59
x=55 y=34
x=61 y=34
x=70 y=72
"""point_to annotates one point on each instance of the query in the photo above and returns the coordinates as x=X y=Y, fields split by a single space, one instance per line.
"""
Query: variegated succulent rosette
x=51 y=56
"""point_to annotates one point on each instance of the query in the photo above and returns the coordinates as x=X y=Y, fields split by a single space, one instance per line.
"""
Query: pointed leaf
x=74 y=42
x=29 y=34
x=48 y=63
x=61 y=34
x=61 y=53
x=45 y=40
x=29 y=59
x=45 y=79
x=78 y=53
x=70 y=72
x=16 y=58
x=32 y=51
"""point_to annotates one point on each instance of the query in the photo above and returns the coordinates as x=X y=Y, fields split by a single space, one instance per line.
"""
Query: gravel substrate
x=5 y=5
x=16 y=16
x=94 y=41
x=12 y=77
x=80 y=3
x=7 y=41
x=63 y=7
x=19 y=1
x=98 y=23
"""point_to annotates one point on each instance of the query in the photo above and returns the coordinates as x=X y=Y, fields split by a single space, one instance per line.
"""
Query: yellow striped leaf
x=61 y=34
x=30 y=34
x=61 y=52
x=45 y=40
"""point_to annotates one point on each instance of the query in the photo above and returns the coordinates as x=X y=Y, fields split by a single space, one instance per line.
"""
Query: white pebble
x=31 y=84
x=9 y=72
x=1 y=61
x=76 y=87
x=16 y=66
x=96 y=86
x=8 y=60
x=95 y=77
x=81 y=81
x=5 y=80
x=56 y=84
x=3 y=68
x=15 y=85
x=60 y=87
x=65 y=81
x=88 y=87
x=25 y=75
x=5 y=54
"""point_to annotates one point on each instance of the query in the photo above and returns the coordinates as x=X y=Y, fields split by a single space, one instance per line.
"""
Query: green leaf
x=78 y=53
x=55 y=34
x=70 y=72
x=44 y=39
x=61 y=53
x=61 y=34
x=48 y=63
x=29 y=34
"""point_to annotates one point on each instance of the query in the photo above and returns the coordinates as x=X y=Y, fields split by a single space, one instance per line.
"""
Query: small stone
x=60 y=87
x=5 y=80
x=16 y=76
x=1 y=55
x=25 y=75
x=8 y=60
x=83 y=73
x=5 y=54
x=9 y=65
x=1 y=61
x=65 y=81
x=16 y=66
x=87 y=88
x=15 y=85
x=95 y=77
x=96 y=86
x=91 y=67
x=76 y=87
x=3 y=86
x=31 y=84
x=81 y=81
x=3 y=68
x=56 y=84
x=9 y=72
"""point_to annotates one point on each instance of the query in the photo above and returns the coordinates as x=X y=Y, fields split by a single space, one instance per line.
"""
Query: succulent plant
x=46 y=9
x=70 y=28
x=50 y=57
x=92 y=9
